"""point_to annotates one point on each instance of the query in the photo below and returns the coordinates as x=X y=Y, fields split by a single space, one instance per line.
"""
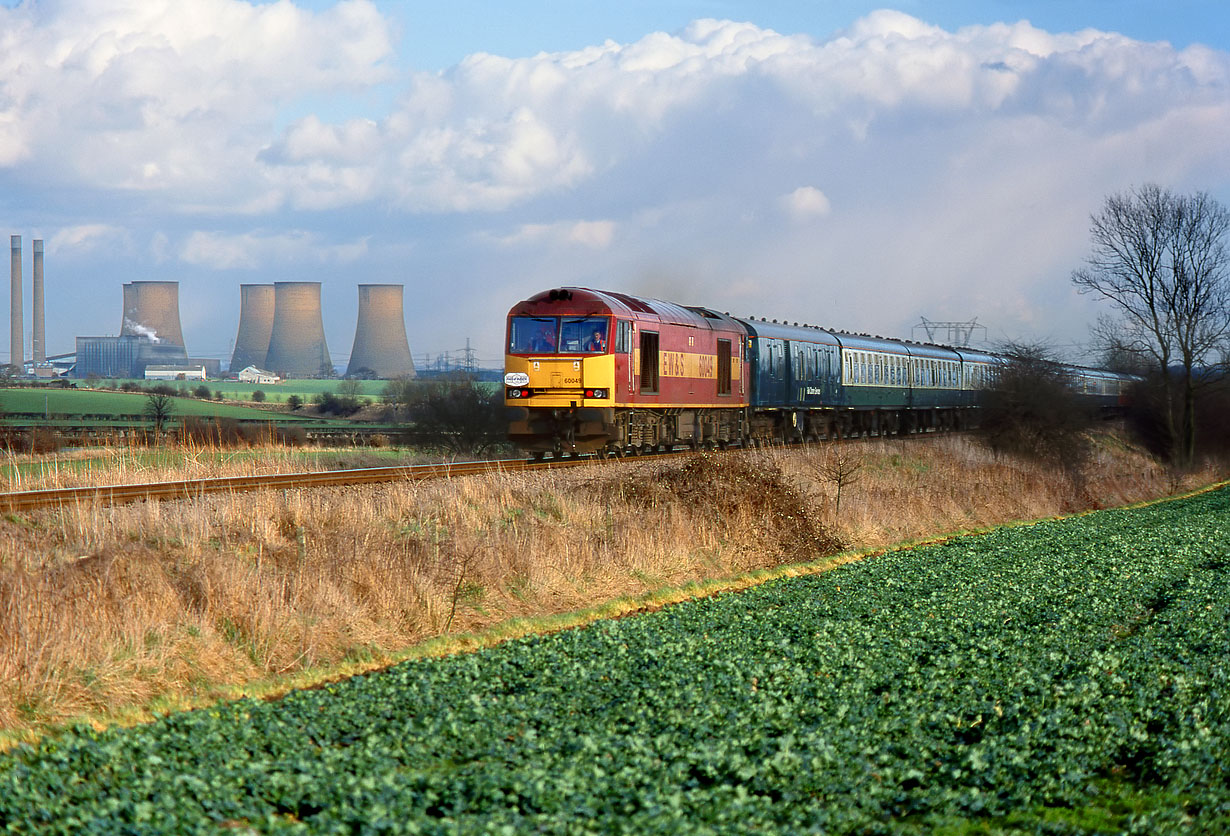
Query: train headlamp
x=595 y=393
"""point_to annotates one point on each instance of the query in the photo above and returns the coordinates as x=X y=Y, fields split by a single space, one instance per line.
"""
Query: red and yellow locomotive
x=596 y=371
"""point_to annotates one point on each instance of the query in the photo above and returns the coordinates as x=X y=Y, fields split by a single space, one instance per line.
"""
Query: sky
x=848 y=164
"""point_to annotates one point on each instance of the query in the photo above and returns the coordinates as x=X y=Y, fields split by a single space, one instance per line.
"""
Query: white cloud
x=806 y=202
x=251 y=250
x=596 y=235
x=963 y=164
x=83 y=238
x=170 y=96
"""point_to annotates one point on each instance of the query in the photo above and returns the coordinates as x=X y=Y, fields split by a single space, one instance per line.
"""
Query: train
x=601 y=372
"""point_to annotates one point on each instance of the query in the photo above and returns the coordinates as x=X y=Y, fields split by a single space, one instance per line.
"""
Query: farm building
x=252 y=374
x=174 y=372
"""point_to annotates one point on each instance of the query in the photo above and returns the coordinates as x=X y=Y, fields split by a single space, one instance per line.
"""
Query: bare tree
x=458 y=413
x=1032 y=410
x=1161 y=259
x=840 y=468
x=159 y=408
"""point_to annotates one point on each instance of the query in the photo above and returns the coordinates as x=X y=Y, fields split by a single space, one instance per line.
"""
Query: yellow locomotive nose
x=558 y=381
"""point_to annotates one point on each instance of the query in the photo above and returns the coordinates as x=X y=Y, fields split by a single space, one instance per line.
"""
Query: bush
x=328 y=403
x=458 y=414
x=1034 y=412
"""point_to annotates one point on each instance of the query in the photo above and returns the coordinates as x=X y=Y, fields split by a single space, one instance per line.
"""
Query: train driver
x=545 y=339
x=597 y=342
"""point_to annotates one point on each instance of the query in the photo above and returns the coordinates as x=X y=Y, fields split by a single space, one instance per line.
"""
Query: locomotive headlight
x=595 y=393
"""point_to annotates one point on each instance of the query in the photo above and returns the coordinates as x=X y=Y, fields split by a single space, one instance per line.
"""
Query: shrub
x=1034 y=412
x=458 y=414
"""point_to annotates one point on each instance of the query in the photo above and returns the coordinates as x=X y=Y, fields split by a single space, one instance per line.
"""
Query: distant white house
x=166 y=372
x=254 y=375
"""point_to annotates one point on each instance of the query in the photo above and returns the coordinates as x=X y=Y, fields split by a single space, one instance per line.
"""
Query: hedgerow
x=1062 y=677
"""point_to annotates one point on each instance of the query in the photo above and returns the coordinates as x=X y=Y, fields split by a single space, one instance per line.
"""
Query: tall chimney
x=380 y=345
x=255 y=326
x=38 y=344
x=151 y=309
x=17 y=353
x=297 y=340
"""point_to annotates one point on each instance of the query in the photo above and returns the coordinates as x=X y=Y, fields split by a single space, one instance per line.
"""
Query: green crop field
x=305 y=389
x=1064 y=677
x=75 y=403
x=274 y=392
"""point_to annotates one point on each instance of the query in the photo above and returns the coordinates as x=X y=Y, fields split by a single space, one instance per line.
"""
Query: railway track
x=107 y=495
x=18 y=501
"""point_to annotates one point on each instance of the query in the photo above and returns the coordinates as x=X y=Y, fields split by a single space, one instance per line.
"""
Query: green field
x=234 y=390
x=305 y=389
x=1063 y=677
x=78 y=405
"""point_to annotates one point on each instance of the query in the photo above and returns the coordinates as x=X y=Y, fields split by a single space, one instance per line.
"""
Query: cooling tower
x=297 y=339
x=255 y=326
x=17 y=354
x=151 y=309
x=38 y=344
x=380 y=344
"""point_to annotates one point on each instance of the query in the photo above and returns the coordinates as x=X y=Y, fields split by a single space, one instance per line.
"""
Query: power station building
x=150 y=336
x=281 y=328
x=255 y=326
x=380 y=345
x=108 y=356
x=297 y=337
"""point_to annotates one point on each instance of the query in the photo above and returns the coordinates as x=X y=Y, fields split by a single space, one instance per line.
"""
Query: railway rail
x=17 y=501
x=107 y=495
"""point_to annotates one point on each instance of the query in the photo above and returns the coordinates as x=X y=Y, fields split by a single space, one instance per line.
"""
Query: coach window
x=723 y=367
x=649 y=362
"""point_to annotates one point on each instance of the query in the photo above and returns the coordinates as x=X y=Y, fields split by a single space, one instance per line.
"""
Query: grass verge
x=111 y=614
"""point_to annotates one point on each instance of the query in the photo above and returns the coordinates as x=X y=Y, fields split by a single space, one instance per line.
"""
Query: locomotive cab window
x=623 y=336
x=649 y=362
x=533 y=335
x=583 y=335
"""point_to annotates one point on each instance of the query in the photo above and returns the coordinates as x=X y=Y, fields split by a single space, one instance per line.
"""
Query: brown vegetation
x=156 y=605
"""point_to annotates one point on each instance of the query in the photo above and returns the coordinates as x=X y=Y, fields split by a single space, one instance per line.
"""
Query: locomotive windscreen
x=583 y=335
x=533 y=335
x=558 y=335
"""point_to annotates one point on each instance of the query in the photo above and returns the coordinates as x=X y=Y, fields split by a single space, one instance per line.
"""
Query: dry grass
x=138 y=463
x=156 y=605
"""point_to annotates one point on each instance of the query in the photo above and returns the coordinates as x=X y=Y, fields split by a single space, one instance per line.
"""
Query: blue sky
x=851 y=164
x=437 y=35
